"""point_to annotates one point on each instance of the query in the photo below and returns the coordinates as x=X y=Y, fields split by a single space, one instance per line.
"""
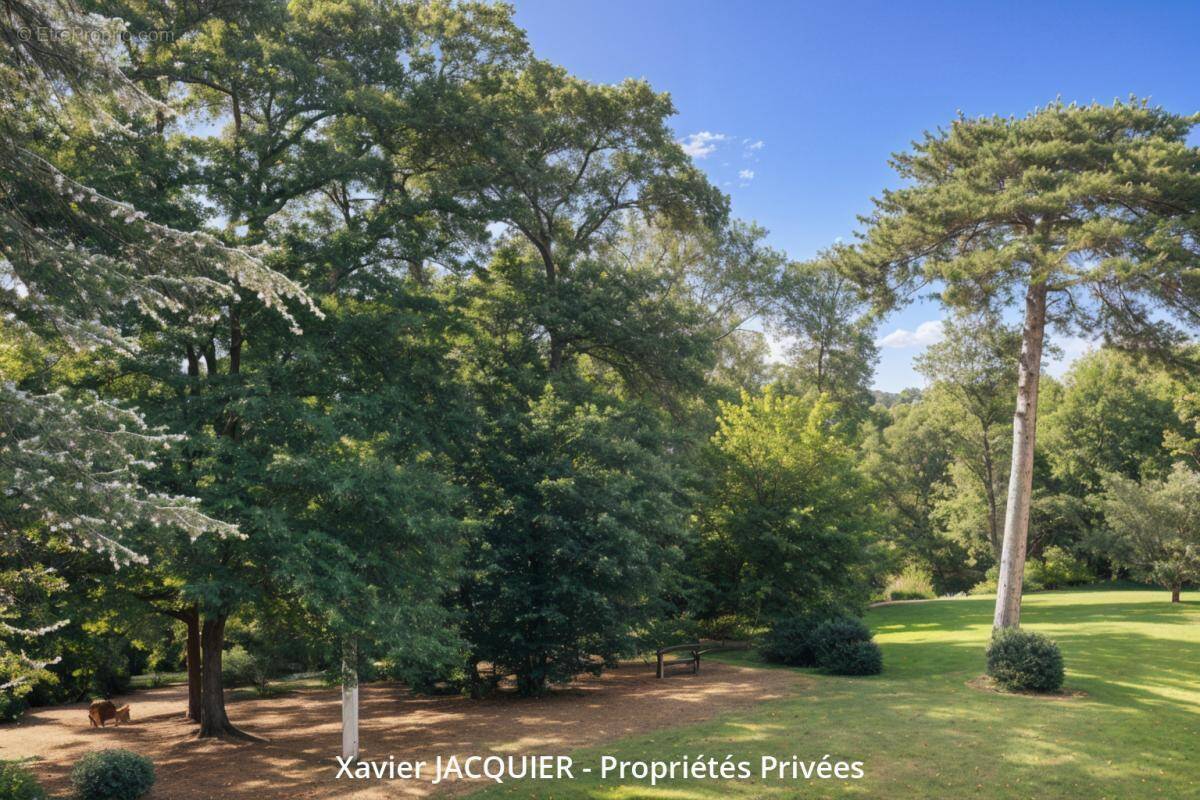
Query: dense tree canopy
x=351 y=336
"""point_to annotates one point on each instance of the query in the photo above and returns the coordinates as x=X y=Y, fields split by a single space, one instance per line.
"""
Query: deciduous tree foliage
x=788 y=521
x=1156 y=525
x=831 y=333
x=328 y=153
x=975 y=367
x=1111 y=418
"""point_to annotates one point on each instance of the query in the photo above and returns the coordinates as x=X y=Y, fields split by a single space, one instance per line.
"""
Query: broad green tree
x=788 y=523
x=907 y=459
x=1085 y=214
x=562 y=163
x=974 y=366
x=1156 y=525
x=1111 y=418
x=339 y=135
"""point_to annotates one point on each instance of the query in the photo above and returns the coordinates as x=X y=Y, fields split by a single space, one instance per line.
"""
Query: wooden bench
x=694 y=650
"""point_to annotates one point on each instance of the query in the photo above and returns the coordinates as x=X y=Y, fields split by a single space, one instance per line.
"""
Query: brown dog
x=101 y=711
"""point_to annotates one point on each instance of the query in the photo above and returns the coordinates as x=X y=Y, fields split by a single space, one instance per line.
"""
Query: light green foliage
x=1057 y=568
x=18 y=783
x=1110 y=418
x=1155 y=526
x=912 y=583
x=788 y=522
x=1184 y=443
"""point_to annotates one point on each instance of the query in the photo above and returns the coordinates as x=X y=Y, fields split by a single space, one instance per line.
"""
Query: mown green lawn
x=923 y=733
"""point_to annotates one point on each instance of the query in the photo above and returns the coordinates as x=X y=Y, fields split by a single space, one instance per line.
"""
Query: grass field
x=923 y=733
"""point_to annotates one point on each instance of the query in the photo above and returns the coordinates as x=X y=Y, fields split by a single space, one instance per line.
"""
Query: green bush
x=843 y=646
x=790 y=641
x=1030 y=583
x=1058 y=568
x=17 y=783
x=240 y=667
x=913 y=583
x=1024 y=661
x=834 y=632
x=854 y=658
x=11 y=708
x=112 y=775
x=237 y=667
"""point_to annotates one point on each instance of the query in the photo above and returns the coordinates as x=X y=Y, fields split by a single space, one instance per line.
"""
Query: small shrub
x=843 y=646
x=1058 y=568
x=237 y=668
x=913 y=583
x=240 y=667
x=1024 y=661
x=790 y=641
x=18 y=783
x=854 y=658
x=991 y=581
x=112 y=775
x=11 y=708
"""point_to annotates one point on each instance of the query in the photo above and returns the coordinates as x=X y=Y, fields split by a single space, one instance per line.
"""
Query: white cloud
x=702 y=144
x=755 y=145
x=927 y=333
x=746 y=174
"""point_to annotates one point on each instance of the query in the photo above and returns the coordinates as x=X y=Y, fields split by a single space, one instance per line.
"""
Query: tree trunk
x=214 y=722
x=350 y=698
x=1020 y=480
x=191 y=618
x=1175 y=595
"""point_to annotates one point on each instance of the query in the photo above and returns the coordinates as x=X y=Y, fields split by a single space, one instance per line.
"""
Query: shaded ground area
x=303 y=729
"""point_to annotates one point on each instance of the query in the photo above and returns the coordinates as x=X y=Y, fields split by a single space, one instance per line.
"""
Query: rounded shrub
x=836 y=632
x=790 y=641
x=112 y=775
x=843 y=646
x=854 y=658
x=1024 y=661
x=18 y=783
x=237 y=667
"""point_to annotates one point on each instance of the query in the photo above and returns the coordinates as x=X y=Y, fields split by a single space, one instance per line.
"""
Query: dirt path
x=303 y=730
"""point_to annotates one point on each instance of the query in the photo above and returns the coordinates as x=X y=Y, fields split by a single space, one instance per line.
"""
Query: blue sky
x=830 y=90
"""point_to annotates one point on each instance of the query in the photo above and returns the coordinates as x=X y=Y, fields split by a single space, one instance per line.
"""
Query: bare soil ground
x=303 y=731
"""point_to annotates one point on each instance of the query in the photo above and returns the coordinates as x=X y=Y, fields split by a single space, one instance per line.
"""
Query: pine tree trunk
x=192 y=620
x=214 y=722
x=350 y=698
x=1020 y=480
